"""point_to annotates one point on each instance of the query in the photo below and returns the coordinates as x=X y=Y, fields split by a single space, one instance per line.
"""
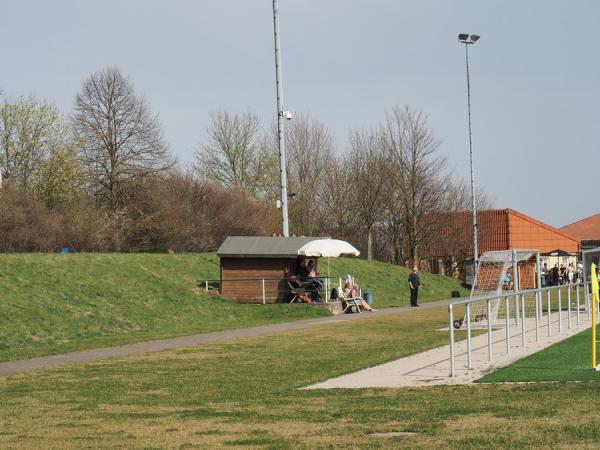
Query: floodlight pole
x=280 y=131
x=467 y=42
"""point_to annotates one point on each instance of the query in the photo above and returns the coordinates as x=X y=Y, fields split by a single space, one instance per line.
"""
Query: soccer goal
x=591 y=262
x=499 y=273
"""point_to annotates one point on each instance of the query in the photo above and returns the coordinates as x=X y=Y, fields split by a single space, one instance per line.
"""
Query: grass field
x=569 y=360
x=52 y=303
x=244 y=394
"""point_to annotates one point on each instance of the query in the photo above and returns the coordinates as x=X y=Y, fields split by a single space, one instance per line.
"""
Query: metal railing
x=269 y=287
x=524 y=310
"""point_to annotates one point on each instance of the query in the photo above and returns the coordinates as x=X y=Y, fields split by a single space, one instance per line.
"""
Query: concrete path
x=433 y=366
x=19 y=366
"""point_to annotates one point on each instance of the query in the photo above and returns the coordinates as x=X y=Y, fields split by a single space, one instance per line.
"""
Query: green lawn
x=389 y=283
x=53 y=303
x=59 y=303
x=569 y=360
x=244 y=394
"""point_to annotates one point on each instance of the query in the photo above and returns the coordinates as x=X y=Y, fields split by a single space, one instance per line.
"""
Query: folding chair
x=299 y=294
x=351 y=302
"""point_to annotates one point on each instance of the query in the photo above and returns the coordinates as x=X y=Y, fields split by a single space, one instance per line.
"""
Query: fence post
x=489 y=327
x=538 y=265
x=523 y=321
x=515 y=268
x=451 y=324
x=206 y=285
x=507 y=318
x=559 y=310
x=577 y=299
x=569 y=307
x=549 y=311
x=538 y=296
x=263 y=291
x=469 y=356
x=585 y=290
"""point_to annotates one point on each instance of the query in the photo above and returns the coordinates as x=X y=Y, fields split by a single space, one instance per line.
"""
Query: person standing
x=413 y=283
x=570 y=273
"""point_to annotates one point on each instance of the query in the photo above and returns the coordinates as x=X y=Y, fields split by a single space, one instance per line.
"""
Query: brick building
x=498 y=229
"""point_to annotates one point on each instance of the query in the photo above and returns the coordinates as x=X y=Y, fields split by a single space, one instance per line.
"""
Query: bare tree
x=368 y=168
x=236 y=155
x=420 y=182
x=336 y=196
x=121 y=139
x=309 y=148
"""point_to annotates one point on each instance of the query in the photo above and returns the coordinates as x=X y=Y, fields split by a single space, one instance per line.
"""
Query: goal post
x=500 y=273
x=591 y=260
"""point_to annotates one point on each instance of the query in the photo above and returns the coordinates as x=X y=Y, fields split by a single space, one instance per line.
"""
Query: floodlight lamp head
x=474 y=38
x=462 y=37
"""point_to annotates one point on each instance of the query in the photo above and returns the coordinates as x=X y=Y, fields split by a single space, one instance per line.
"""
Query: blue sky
x=534 y=74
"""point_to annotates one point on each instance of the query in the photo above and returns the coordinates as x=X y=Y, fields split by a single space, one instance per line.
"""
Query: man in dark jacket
x=413 y=283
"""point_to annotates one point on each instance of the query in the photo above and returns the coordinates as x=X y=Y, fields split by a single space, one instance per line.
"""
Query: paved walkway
x=45 y=362
x=433 y=366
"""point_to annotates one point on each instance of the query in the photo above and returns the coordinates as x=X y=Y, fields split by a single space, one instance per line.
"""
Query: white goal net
x=495 y=276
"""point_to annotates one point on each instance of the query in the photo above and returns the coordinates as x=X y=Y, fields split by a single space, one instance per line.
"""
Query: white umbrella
x=330 y=248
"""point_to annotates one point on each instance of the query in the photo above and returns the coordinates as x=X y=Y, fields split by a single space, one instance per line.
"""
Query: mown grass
x=244 y=393
x=59 y=303
x=569 y=360
x=52 y=303
x=389 y=283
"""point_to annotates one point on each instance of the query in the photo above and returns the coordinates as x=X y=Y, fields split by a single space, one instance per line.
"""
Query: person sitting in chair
x=352 y=290
x=313 y=274
x=507 y=282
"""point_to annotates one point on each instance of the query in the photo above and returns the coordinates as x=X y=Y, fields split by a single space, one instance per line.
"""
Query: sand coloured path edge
x=432 y=367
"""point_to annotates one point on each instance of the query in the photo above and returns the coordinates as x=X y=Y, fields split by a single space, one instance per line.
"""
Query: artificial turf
x=568 y=360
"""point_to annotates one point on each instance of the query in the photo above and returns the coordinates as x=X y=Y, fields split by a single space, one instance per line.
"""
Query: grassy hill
x=389 y=283
x=53 y=303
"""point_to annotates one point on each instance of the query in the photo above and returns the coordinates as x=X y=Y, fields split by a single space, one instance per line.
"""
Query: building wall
x=451 y=247
x=241 y=279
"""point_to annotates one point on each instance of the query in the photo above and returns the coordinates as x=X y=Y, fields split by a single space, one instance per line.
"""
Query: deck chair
x=352 y=302
x=299 y=294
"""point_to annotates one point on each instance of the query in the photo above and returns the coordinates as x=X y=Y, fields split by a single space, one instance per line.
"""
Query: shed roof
x=262 y=246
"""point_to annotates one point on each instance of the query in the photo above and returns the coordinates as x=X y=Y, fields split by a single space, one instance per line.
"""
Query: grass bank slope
x=53 y=303
x=389 y=283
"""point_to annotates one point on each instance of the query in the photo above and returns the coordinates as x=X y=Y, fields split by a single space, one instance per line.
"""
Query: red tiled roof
x=499 y=229
x=587 y=229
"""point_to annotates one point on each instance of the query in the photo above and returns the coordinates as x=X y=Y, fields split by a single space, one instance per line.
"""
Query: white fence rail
x=522 y=314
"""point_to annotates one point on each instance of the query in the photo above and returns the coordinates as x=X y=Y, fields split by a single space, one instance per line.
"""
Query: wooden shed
x=246 y=262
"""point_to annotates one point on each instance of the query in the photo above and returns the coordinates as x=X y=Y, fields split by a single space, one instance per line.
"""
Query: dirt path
x=45 y=362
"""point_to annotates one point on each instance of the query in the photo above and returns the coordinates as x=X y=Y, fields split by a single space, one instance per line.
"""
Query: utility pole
x=469 y=39
x=281 y=114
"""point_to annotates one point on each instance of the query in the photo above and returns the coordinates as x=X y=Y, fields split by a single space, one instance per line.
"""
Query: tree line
x=103 y=179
